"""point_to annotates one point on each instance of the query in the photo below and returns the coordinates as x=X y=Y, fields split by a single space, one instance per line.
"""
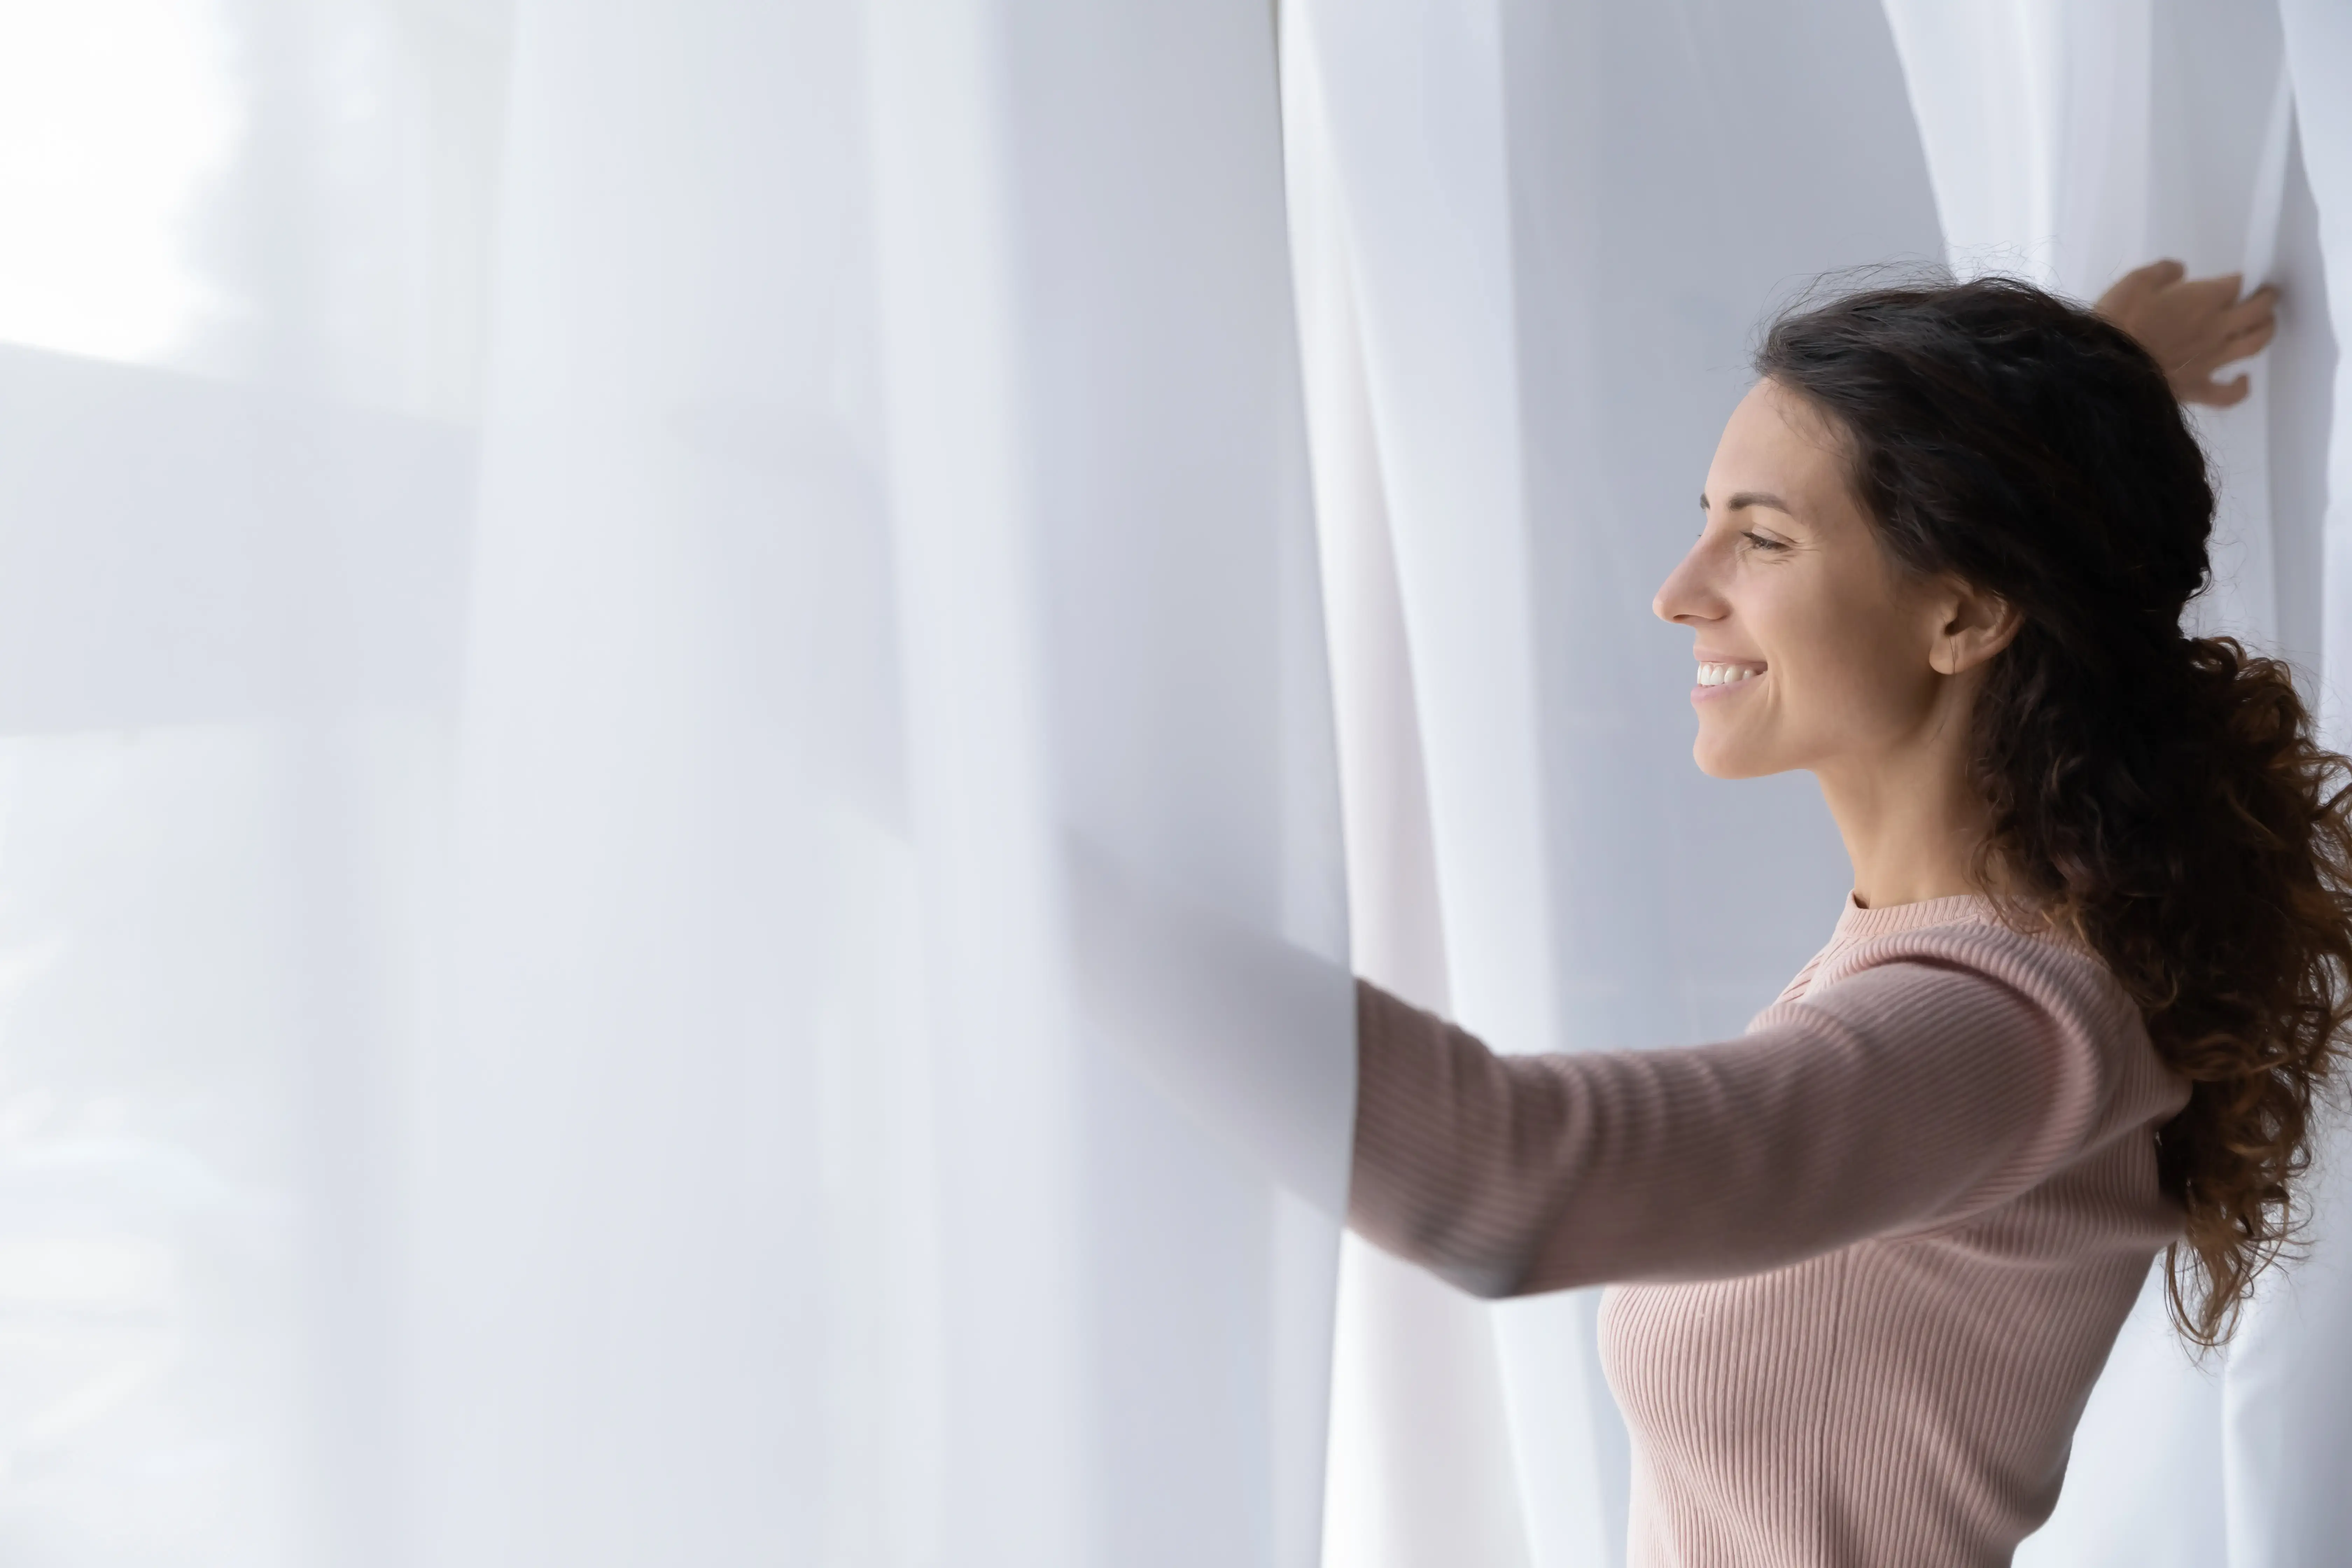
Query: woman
x=1869 y=1259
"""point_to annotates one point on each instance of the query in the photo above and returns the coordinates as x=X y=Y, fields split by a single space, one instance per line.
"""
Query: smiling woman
x=1868 y=1259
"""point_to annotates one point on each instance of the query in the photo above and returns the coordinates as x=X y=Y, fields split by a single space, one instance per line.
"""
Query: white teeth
x=1724 y=674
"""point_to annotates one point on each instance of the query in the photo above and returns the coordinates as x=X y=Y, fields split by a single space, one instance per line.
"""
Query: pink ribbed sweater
x=1884 y=1240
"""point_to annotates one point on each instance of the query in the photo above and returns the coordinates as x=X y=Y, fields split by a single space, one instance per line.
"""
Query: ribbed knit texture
x=1883 y=1241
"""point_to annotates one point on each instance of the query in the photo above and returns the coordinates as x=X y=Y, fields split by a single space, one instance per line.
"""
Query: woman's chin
x=1719 y=759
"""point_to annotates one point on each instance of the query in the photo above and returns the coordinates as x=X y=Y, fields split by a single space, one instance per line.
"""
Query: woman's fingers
x=2217 y=395
x=2263 y=301
x=2203 y=299
x=2257 y=314
x=2217 y=349
x=2141 y=282
x=2251 y=340
x=2245 y=329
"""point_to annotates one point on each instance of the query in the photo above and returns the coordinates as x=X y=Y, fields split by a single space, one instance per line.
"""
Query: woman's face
x=1814 y=650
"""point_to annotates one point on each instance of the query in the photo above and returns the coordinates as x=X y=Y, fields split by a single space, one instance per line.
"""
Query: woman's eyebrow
x=1764 y=499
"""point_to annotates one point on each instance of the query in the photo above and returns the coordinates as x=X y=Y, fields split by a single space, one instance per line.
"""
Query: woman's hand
x=2192 y=326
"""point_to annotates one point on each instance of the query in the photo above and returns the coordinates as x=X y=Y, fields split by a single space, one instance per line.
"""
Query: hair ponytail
x=2242 y=974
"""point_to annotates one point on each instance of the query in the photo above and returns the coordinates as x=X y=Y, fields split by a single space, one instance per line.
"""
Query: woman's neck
x=1912 y=827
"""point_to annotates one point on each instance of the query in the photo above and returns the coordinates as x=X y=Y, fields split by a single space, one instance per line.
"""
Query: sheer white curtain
x=672 y=887
x=670 y=861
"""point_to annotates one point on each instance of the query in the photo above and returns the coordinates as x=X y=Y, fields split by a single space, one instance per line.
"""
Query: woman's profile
x=1867 y=1259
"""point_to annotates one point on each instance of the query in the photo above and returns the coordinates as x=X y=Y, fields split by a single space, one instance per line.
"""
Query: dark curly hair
x=2160 y=795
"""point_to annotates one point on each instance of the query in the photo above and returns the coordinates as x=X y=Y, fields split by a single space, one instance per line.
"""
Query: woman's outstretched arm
x=1912 y=1094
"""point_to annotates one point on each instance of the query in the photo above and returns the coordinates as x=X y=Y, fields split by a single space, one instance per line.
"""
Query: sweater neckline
x=1857 y=924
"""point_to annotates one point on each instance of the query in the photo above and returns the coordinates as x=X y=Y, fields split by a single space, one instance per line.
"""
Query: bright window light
x=116 y=117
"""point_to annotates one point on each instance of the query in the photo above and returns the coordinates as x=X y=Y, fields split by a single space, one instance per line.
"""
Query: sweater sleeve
x=1910 y=1095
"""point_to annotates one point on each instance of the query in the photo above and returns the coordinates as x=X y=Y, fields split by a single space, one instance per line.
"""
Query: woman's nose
x=1686 y=595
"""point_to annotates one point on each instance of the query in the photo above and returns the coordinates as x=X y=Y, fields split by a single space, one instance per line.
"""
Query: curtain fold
x=1032 y=402
x=675 y=873
x=1421 y=1464
x=2291 y=1427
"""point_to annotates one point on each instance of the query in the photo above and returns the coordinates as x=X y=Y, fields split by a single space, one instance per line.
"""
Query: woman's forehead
x=1780 y=452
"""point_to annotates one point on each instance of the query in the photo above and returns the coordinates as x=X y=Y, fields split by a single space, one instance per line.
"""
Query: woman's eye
x=1765 y=541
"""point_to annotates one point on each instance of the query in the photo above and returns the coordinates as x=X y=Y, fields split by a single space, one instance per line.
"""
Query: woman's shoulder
x=1969 y=934
x=1907 y=967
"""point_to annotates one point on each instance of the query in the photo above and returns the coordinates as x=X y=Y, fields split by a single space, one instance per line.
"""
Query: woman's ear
x=1976 y=625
